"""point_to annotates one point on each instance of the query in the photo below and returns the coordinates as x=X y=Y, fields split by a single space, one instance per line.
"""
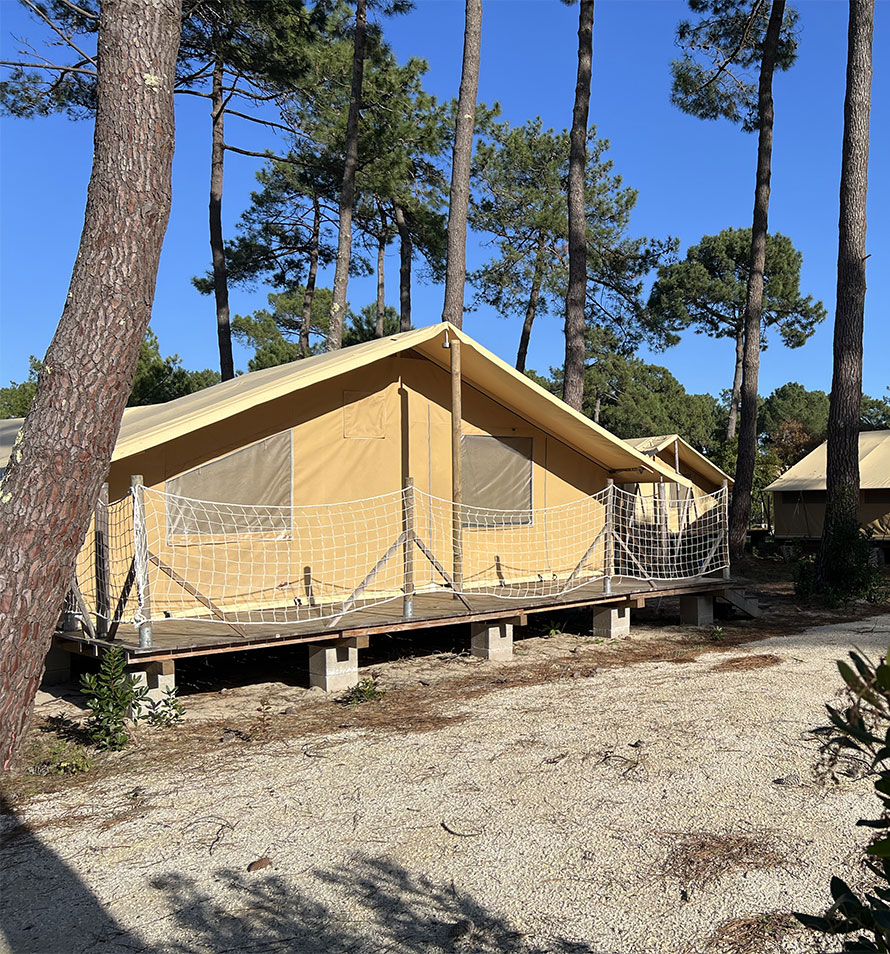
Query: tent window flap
x=497 y=480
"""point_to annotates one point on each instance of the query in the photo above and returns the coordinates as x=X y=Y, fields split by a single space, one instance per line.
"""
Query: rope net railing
x=154 y=555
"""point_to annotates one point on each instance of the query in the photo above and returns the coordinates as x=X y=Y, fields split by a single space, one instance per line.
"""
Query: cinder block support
x=611 y=622
x=157 y=677
x=333 y=666
x=697 y=609
x=492 y=639
x=58 y=667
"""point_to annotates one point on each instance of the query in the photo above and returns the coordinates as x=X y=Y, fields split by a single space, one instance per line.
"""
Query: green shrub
x=850 y=573
x=365 y=690
x=167 y=711
x=111 y=697
x=863 y=727
x=63 y=758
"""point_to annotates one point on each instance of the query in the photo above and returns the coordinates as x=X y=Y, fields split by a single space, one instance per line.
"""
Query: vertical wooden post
x=664 y=528
x=677 y=456
x=457 y=492
x=408 y=601
x=726 y=568
x=609 y=542
x=307 y=585
x=140 y=562
x=103 y=581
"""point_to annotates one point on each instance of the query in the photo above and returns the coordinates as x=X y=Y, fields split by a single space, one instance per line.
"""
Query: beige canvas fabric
x=809 y=473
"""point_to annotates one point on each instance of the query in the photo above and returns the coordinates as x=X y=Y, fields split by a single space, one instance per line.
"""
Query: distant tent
x=799 y=494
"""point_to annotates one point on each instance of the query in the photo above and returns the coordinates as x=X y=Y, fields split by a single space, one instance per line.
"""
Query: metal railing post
x=140 y=562
x=727 y=569
x=608 y=540
x=408 y=506
x=103 y=582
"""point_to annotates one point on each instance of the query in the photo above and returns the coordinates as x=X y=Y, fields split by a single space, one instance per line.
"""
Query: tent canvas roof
x=809 y=473
x=693 y=459
x=146 y=427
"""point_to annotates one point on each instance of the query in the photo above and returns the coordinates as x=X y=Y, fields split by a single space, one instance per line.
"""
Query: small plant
x=718 y=633
x=167 y=711
x=553 y=628
x=365 y=690
x=265 y=720
x=113 y=698
x=63 y=758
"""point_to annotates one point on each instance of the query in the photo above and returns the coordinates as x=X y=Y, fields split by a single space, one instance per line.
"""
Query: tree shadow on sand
x=370 y=905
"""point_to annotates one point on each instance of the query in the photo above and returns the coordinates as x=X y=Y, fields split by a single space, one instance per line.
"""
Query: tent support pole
x=609 y=554
x=726 y=568
x=103 y=583
x=140 y=561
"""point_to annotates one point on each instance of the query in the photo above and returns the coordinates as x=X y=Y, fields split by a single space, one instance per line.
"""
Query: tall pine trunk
x=217 y=249
x=736 y=384
x=532 y=307
x=576 y=297
x=309 y=293
x=406 y=253
x=64 y=451
x=381 y=281
x=842 y=475
x=347 y=190
x=740 y=507
x=458 y=203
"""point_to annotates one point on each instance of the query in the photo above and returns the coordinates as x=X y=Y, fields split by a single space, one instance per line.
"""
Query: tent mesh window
x=497 y=476
x=259 y=476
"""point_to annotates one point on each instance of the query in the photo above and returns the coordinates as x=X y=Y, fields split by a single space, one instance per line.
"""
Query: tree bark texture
x=217 y=249
x=347 y=190
x=381 y=280
x=531 y=308
x=458 y=203
x=736 y=385
x=842 y=474
x=309 y=293
x=406 y=253
x=576 y=297
x=64 y=450
x=740 y=506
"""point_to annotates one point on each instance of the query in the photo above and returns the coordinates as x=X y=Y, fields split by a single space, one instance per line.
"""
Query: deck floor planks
x=174 y=637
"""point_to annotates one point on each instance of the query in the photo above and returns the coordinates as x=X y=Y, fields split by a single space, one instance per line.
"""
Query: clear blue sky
x=693 y=177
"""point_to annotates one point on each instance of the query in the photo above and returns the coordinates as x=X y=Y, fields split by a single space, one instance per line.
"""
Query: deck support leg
x=611 y=622
x=58 y=667
x=492 y=639
x=157 y=677
x=334 y=666
x=697 y=609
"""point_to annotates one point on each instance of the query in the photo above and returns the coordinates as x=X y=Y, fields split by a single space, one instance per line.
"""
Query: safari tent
x=799 y=494
x=415 y=464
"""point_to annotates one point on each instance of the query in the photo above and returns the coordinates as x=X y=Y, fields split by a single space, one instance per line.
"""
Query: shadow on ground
x=48 y=908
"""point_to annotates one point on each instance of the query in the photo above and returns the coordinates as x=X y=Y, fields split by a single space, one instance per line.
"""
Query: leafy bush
x=863 y=728
x=365 y=690
x=167 y=711
x=851 y=572
x=113 y=698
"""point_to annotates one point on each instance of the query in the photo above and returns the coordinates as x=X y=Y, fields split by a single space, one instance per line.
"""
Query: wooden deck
x=174 y=638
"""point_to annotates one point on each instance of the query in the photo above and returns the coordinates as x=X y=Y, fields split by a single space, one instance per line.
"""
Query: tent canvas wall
x=285 y=486
x=799 y=494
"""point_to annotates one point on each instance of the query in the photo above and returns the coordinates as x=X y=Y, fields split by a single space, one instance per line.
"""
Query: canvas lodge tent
x=309 y=491
x=799 y=494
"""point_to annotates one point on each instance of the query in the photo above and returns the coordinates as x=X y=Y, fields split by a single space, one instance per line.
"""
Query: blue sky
x=693 y=178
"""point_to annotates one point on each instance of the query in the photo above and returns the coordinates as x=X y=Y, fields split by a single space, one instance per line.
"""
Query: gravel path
x=634 y=810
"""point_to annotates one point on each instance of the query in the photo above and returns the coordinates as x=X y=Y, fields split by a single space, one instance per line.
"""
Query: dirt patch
x=742 y=663
x=701 y=858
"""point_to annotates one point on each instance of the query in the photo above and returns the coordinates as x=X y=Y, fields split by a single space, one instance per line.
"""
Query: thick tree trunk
x=309 y=293
x=406 y=253
x=740 y=507
x=456 y=262
x=531 y=308
x=842 y=475
x=381 y=286
x=573 y=373
x=64 y=451
x=217 y=249
x=736 y=385
x=347 y=190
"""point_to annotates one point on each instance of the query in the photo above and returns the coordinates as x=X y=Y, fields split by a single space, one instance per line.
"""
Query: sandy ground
x=560 y=802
